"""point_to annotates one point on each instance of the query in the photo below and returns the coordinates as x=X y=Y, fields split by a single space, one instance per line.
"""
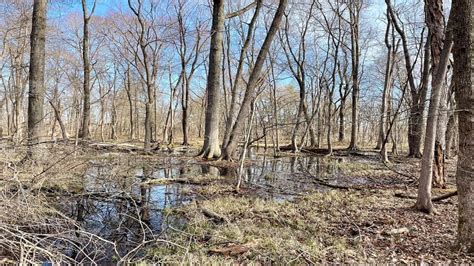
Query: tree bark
x=149 y=50
x=435 y=23
x=86 y=105
x=424 y=203
x=128 y=89
x=211 y=147
x=450 y=134
x=57 y=115
x=384 y=114
x=36 y=80
x=387 y=85
x=463 y=80
x=354 y=11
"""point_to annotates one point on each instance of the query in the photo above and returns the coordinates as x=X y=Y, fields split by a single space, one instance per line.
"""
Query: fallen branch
x=214 y=216
x=412 y=177
x=324 y=183
x=435 y=199
x=165 y=181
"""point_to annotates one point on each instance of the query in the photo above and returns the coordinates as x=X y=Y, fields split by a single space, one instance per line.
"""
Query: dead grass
x=368 y=226
x=336 y=226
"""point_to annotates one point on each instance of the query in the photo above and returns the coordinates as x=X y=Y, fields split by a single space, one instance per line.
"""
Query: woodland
x=236 y=131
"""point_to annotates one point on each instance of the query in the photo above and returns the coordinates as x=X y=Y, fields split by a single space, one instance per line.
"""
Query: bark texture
x=86 y=105
x=463 y=80
x=435 y=23
x=36 y=74
x=423 y=202
x=211 y=147
x=354 y=10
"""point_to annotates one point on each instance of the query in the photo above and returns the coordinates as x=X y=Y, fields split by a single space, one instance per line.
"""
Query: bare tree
x=86 y=105
x=424 y=189
x=146 y=60
x=211 y=147
x=252 y=82
x=418 y=93
x=435 y=23
x=354 y=15
x=189 y=64
x=297 y=63
x=36 y=81
x=238 y=75
x=392 y=47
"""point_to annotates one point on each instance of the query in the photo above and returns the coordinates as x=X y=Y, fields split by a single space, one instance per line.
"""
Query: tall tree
x=418 y=93
x=249 y=95
x=435 y=24
x=211 y=147
x=355 y=7
x=423 y=202
x=296 y=60
x=146 y=59
x=389 y=67
x=240 y=70
x=36 y=81
x=463 y=80
x=189 y=60
x=86 y=105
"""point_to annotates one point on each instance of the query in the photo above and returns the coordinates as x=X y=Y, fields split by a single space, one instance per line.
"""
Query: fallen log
x=435 y=199
x=218 y=218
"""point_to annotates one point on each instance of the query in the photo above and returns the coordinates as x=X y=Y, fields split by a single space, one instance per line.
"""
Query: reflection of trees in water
x=136 y=210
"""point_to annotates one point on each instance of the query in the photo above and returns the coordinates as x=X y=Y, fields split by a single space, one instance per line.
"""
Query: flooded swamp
x=114 y=206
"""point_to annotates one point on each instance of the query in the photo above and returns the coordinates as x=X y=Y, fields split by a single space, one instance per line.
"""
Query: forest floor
x=113 y=203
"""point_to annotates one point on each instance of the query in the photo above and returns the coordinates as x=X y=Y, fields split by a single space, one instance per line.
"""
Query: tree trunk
x=211 y=147
x=435 y=23
x=102 y=113
x=36 y=74
x=355 y=54
x=86 y=105
x=424 y=189
x=294 y=145
x=415 y=124
x=450 y=134
x=238 y=75
x=463 y=80
x=130 y=103
x=275 y=108
x=252 y=82
x=417 y=108
x=113 y=113
x=385 y=112
x=57 y=114
x=184 y=121
x=341 y=133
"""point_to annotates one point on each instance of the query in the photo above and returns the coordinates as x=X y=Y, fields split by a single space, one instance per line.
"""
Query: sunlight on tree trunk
x=37 y=88
x=463 y=80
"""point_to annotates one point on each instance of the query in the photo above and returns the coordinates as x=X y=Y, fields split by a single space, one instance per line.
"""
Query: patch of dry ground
x=337 y=226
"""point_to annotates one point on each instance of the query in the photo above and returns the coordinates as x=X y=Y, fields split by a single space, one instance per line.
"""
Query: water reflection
x=125 y=209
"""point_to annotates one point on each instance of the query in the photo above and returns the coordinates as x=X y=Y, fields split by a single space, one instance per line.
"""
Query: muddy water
x=117 y=206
